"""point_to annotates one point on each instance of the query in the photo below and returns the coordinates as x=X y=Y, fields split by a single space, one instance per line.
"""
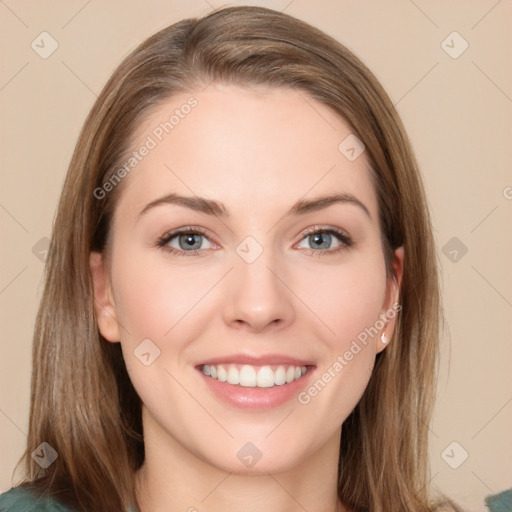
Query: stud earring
x=383 y=338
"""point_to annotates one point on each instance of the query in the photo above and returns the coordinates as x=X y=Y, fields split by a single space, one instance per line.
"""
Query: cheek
x=153 y=296
x=346 y=298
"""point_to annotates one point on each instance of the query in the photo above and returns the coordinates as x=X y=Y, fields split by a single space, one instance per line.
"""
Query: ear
x=104 y=305
x=390 y=312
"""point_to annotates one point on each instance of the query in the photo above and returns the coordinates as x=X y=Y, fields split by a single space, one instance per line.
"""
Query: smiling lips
x=254 y=376
x=256 y=383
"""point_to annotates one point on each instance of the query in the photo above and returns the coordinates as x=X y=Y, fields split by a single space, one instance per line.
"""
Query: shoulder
x=499 y=502
x=19 y=499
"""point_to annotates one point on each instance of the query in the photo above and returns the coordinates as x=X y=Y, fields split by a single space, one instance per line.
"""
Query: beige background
x=457 y=112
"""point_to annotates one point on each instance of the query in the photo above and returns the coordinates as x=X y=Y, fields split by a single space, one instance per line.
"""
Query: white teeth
x=280 y=376
x=247 y=376
x=265 y=377
x=233 y=375
x=222 y=374
x=254 y=376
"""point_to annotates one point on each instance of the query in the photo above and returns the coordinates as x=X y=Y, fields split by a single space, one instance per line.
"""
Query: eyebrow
x=211 y=207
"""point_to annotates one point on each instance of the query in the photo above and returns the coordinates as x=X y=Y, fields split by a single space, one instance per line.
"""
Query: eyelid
x=344 y=238
x=173 y=233
x=326 y=229
x=183 y=229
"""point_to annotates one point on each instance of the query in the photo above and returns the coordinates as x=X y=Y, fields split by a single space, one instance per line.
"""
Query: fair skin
x=257 y=152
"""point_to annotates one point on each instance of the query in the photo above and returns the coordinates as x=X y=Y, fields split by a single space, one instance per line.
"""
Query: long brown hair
x=82 y=401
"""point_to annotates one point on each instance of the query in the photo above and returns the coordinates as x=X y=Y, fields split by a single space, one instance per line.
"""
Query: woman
x=241 y=302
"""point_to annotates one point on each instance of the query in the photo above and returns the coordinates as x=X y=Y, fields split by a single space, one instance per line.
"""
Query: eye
x=189 y=241
x=322 y=238
x=183 y=242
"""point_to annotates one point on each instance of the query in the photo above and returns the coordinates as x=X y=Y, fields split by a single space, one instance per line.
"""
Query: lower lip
x=257 y=399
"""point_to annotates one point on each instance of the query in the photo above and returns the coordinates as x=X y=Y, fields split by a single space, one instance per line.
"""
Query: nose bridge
x=257 y=296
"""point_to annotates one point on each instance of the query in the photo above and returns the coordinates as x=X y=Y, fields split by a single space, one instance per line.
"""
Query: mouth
x=255 y=383
x=250 y=376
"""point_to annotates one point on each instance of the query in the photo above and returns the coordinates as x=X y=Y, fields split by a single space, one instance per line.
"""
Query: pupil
x=190 y=239
x=318 y=238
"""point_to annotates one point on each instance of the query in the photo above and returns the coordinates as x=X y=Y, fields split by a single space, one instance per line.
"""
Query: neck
x=173 y=478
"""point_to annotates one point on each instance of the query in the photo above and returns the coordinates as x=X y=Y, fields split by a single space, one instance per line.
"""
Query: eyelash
x=345 y=240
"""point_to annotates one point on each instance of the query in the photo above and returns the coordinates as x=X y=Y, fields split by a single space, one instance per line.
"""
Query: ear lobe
x=390 y=309
x=104 y=306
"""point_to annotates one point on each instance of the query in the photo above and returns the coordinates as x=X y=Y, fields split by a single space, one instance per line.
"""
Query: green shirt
x=501 y=502
x=21 y=500
x=18 y=499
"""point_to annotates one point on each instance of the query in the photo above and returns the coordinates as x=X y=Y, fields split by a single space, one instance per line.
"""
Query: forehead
x=251 y=148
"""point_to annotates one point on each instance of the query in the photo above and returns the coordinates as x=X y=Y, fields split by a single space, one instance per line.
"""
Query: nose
x=258 y=297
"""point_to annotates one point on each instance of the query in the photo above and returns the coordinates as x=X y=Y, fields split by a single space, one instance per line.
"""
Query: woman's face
x=264 y=283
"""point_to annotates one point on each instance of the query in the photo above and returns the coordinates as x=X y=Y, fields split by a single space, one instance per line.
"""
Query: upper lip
x=262 y=360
